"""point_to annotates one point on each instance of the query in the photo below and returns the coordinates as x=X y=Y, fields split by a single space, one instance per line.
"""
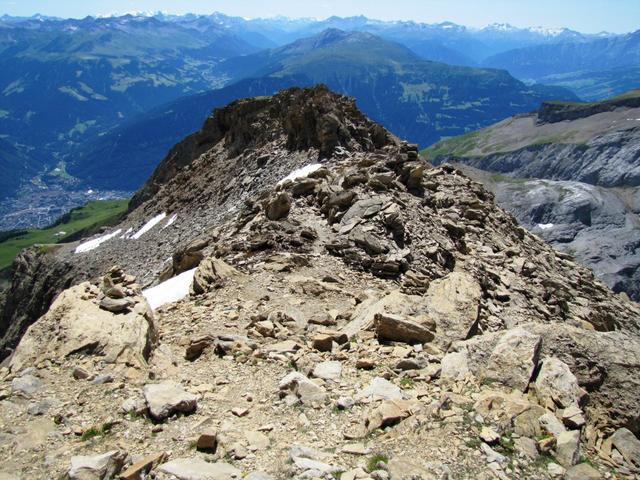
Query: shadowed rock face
x=308 y=118
x=38 y=277
x=552 y=112
x=599 y=226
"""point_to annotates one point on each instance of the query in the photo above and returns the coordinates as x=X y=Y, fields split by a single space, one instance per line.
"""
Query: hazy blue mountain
x=436 y=51
x=580 y=65
x=597 y=85
x=445 y=41
x=419 y=100
x=126 y=156
x=14 y=164
x=64 y=81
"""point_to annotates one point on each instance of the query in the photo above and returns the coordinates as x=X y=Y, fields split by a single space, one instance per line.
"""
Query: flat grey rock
x=196 y=468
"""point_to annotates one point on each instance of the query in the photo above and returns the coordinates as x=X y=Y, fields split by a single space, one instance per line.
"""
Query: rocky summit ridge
x=300 y=296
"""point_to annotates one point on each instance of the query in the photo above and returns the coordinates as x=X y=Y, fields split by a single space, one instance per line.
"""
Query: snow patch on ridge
x=301 y=172
x=171 y=291
x=170 y=221
x=545 y=226
x=149 y=225
x=96 y=242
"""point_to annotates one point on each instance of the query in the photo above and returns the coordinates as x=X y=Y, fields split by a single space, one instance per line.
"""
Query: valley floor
x=37 y=207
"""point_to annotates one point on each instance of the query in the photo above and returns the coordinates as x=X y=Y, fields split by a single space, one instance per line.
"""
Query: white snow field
x=172 y=290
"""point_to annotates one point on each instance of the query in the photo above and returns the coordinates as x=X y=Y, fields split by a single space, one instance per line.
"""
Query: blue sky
x=583 y=15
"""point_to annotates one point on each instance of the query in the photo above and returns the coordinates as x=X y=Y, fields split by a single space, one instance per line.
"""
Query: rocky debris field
x=256 y=379
x=365 y=317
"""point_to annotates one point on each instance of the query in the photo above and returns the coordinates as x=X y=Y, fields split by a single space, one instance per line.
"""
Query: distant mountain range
x=68 y=88
x=416 y=99
x=71 y=79
x=593 y=69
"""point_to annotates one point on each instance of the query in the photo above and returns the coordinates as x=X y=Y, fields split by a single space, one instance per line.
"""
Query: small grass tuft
x=99 y=431
x=588 y=461
x=473 y=443
x=407 y=382
x=507 y=444
x=543 y=461
x=375 y=459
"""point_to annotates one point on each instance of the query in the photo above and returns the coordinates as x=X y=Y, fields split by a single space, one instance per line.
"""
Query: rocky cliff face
x=325 y=295
x=609 y=160
x=38 y=276
x=552 y=112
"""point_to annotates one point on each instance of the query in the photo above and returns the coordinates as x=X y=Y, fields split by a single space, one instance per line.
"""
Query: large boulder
x=571 y=360
x=96 y=467
x=76 y=324
x=628 y=445
x=167 y=398
x=454 y=303
x=455 y=366
x=278 y=207
x=556 y=384
x=514 y=359
x=568 y=448
x=411 y=307
x=508 y=358
x=603 y=363
x=398 y=329
x=212 y=273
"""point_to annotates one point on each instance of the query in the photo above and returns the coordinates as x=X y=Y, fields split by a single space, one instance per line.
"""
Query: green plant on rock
x=375 y=459
x=407 y=382
x=473 y=443
x=99 y=431
x=507 y=443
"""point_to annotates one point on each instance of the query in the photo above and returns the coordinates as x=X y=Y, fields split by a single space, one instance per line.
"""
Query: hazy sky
x=582 y=15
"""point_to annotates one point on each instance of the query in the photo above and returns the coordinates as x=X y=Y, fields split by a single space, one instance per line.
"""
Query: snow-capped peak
x=501 y=27
x=547 y=31
x=134 y=13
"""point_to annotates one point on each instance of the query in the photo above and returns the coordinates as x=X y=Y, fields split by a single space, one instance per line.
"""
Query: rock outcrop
x=552 y=112
x=85 y=320
x=38 y=276
x=246 y=147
